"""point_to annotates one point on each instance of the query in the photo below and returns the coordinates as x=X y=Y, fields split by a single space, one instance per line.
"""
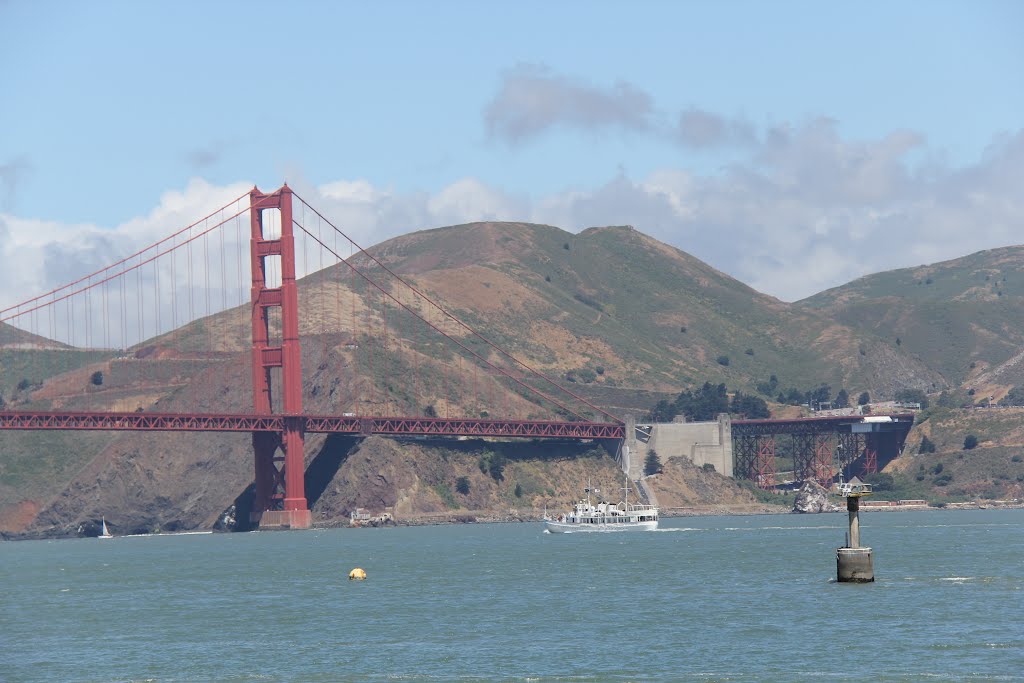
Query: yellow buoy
x=357 y=573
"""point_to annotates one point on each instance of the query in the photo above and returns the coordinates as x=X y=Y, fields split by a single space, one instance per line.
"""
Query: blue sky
x=777 y=141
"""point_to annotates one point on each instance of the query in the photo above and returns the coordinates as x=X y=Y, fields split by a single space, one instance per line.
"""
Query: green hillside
x=961 y=317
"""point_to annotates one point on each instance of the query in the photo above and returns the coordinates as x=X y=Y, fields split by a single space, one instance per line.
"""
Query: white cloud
x=471 y=200
x=807 y=210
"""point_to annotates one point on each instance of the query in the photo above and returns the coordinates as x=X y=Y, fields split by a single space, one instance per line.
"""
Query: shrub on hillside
x=652 y=464
x=970 y=441
x=1015 y=397
x=927 y=446
x=462 y=485
x=768 y=388
x=880 y=481
x=723 y=360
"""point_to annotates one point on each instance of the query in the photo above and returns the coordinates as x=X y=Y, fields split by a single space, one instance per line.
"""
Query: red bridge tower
x=280 y=499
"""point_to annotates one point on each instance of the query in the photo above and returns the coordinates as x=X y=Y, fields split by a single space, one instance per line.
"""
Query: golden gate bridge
x=413 y=367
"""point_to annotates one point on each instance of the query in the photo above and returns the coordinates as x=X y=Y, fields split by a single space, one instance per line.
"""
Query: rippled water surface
x=702 y=599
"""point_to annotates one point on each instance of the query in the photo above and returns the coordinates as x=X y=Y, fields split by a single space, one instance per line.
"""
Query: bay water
x=732 y=598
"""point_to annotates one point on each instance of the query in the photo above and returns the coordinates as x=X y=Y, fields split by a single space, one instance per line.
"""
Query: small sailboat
x=104 y=531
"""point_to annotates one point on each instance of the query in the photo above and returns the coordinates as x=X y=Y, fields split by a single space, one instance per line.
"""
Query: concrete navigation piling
x=853 y=562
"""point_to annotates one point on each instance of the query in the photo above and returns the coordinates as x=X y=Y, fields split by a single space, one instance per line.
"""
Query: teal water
x=703 y=599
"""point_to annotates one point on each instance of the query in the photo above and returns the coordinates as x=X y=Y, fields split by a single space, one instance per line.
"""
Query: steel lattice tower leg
x=274 y=506
x=870 y=454
x=823 y=462
x=765 y=465
x=803 y=455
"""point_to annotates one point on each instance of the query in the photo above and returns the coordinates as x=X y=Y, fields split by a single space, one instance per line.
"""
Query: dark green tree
x=819 y=396
x=912 y=396
x=663 y=411
x=751 y=407
x=926 y=445
x=496 y=466
x=793 y=397
x=519 y=490
x=842 y=399
x=97 y=378
x=768 y=388
x=863 y=399
x=970 y=441
x=704 y=404
x=652 y=464
x=462 y=485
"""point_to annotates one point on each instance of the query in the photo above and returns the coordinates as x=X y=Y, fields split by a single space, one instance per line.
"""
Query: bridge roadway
x=326 y=424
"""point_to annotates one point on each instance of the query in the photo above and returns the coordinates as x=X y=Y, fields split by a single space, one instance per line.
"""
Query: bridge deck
x=328 y=424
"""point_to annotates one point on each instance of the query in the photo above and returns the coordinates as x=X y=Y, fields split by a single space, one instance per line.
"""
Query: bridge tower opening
x=280 y=498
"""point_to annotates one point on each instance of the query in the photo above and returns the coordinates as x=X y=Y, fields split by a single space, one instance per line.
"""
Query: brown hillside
x=609 y=313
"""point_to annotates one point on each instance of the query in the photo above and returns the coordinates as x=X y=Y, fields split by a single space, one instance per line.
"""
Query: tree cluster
x=816 y=397
x=493 y=464
x=1015 y=397
x=912 y=396
x=706 y=403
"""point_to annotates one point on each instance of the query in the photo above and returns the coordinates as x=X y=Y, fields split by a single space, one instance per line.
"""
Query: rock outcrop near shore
x=813 y=497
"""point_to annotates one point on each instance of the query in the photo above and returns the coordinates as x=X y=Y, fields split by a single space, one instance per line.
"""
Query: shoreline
x=495 y=517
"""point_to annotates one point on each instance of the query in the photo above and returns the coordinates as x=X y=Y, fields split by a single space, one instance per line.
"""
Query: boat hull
x=557 y=527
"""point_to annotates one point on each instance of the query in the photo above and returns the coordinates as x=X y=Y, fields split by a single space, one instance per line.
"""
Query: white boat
x=586 y=516
x=104 y=531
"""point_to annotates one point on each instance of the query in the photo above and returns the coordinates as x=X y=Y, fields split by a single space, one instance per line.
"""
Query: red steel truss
x=823 y=462
x=870 y=454
x=326 y=424
x=764 y=465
